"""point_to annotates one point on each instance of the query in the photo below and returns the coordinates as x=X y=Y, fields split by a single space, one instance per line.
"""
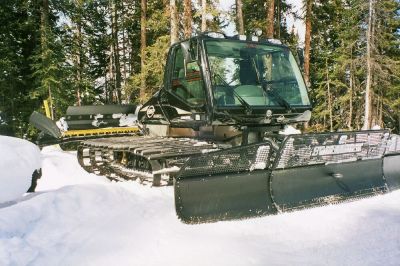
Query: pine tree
x=355 y=50
x=349 y=64
x=323 y=43
x=385 y=64
x=19 y=41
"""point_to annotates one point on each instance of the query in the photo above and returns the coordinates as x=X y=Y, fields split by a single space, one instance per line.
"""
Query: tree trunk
x=142 y=94
x=174 y=22
x=115 y=54
x=278 y=19
x=44 y=16
x=188 y=21
x=79 y=60
x=380 y=110
x=351 y=85
x=44 y=44
x=124 y=48
x=307 y=42
x=239 y=17
x=106 y=88
x=111 y=74
x=368 y=94
x=124 y=52
x=398 y=114
x=203 y=15
x=270 y=19
x=328 y=81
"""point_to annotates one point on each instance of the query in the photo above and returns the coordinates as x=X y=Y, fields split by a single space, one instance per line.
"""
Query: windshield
x=257 y=74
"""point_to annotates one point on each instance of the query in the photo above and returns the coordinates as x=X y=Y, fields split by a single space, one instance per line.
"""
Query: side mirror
x=300 y=57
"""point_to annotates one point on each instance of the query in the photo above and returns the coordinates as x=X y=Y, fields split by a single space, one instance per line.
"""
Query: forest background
x=76 y=52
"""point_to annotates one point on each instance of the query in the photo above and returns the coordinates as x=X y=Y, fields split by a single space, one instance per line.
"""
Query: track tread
x=116 y=158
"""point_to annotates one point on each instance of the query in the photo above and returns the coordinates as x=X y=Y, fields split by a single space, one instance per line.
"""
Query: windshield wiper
x=242 y=101
x=271 y=92
x=228 y=116
x=278 y=98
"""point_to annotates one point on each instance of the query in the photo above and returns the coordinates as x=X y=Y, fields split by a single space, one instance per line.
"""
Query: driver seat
x=247 y=73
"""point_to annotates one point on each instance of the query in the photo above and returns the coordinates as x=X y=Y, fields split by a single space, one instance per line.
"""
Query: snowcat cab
x=228 y=90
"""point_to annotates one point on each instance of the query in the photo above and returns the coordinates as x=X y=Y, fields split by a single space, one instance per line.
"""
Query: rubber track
x=146 y=159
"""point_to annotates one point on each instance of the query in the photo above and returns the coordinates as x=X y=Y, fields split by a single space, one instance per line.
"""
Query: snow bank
x=126 y=224
x=61 y=169
x=289 y=130
x=18 y=160
x=107 y=223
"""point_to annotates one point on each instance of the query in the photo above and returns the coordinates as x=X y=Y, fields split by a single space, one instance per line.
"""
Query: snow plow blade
x=45 y=125
x=303 y=171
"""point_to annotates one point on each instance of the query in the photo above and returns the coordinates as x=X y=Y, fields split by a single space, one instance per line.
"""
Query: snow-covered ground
x=18 y=160
x=77 y=218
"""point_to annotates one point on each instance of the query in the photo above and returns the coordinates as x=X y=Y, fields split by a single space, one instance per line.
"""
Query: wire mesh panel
x=329 y=148
x=305 y=171
x=234 y=160
x=393 y=145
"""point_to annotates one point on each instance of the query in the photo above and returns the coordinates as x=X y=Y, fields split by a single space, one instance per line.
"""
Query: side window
x=178 y=64
x=186 y=80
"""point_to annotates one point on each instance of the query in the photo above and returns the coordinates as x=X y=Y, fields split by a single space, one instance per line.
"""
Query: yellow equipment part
x=47 y=108
x=100 y=131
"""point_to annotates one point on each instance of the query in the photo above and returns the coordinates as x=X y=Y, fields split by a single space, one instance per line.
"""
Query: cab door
x=184 y=95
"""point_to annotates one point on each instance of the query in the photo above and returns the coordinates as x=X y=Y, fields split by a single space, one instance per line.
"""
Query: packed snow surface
x=77 y=218
x=127 y=120
x=288 y=130
x=18 y=160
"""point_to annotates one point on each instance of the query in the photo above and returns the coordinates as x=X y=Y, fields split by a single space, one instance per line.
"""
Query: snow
x=62 y=124
x=18 y=160
x=127 y=120
x=77 y=218
x=96 y=122
x=289 y=130
x=54 y=161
